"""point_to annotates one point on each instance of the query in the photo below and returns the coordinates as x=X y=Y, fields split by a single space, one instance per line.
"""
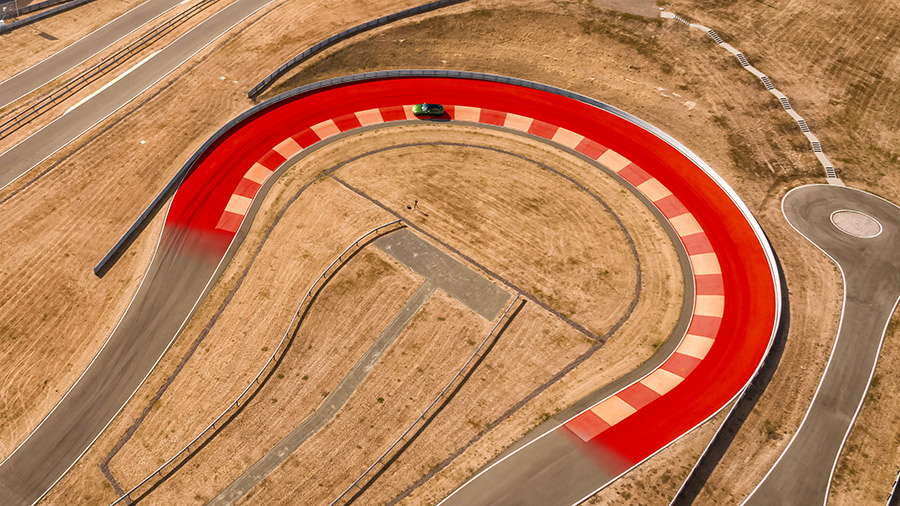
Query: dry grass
x=517 y=219
x=676 y=79
x=399 y=388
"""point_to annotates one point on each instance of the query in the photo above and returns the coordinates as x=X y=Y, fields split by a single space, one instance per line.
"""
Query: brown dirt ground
x=426 y=355
x=345 y=319
x=659 y=71
x=520 y=221
x=58 y=226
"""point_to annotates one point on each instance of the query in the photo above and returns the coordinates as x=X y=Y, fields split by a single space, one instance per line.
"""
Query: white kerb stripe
x=258 y=173
x=685 y=225
x=661 y=381
x=613 y=410
x=369 y=117
x=238 y=204
x=710 y=305
x=614 y=161
x=653 y=190
x=567 y=138
x=287 y=148
x=466 y=113
x=695 y=346
x=325 y=129
x=705 y=263
x=516 y=122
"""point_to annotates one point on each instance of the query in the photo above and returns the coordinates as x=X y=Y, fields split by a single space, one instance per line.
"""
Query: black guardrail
x=346 y=34
x=70 y=4
x=24 y=115
x=141 y=222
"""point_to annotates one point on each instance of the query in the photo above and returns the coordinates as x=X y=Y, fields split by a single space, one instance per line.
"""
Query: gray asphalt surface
x=175 y=279
x=330 y=406
x=871 y=270
x=23 y=83
x=549 y=466
x=30 y=152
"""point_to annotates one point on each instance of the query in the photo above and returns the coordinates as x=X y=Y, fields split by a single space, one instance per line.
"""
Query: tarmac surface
x=54 y=66
x=166 y=297
x=25 y=155
x=441 y=271
x=871 y=271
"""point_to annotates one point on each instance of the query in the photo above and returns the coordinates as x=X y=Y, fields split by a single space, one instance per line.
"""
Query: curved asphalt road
x=32 y=78
x=871 y=271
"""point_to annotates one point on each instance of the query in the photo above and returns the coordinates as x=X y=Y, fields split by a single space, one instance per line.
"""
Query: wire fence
x=206 y=434
x=369 y=475
x=26 y=114
x=346 y=34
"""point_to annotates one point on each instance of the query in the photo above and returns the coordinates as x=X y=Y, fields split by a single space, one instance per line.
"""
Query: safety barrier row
x=830 y=172
x=206 y=434
x=367 y=476
x=77 y=83
x=346 y=34
x=69 y=4
x=128 y=237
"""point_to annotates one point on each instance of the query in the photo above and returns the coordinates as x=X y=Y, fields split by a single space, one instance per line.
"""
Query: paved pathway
x=871 y=271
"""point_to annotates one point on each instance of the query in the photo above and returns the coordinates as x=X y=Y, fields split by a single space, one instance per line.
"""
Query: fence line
x=68 y=4
x=26 y=114
x=346 y=34
x=359 y=483
x=830 y=172
x=232 y=408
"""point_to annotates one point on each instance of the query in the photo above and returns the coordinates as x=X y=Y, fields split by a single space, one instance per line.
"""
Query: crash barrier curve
x=206 y=434
x=729 y=335
x=341 y=36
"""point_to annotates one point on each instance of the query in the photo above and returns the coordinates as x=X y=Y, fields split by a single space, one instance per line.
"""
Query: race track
x=735 y=310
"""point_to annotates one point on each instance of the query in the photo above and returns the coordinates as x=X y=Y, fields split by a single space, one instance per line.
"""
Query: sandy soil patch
x=339 y=328
x=519 y=220
x=395 y=393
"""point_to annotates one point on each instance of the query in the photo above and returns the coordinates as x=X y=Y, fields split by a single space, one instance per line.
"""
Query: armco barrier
x=430 y=411
x=139 y=224
x=75 y=84
x=346 y=34
x=7 y=27
x=207 y=433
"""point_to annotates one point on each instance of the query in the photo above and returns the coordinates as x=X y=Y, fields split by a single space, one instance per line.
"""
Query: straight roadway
x=42 y=144
x=176 y=279
x=32 y=78
x=871 y=271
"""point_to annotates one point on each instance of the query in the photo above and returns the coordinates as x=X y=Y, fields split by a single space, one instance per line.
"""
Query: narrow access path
x=54 y=66
x=441 y=271
x=861 y=233
x=330 y=406
x=45 y=142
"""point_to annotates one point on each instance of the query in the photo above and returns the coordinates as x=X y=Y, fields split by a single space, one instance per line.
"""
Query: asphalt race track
x=871 y=270
x=54 y=66
x=735 y=310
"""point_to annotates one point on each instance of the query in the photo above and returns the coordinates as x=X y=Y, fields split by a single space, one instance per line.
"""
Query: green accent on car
x=428 y=109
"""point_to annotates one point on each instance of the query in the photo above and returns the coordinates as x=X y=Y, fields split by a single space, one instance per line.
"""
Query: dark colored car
x=428 y=110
